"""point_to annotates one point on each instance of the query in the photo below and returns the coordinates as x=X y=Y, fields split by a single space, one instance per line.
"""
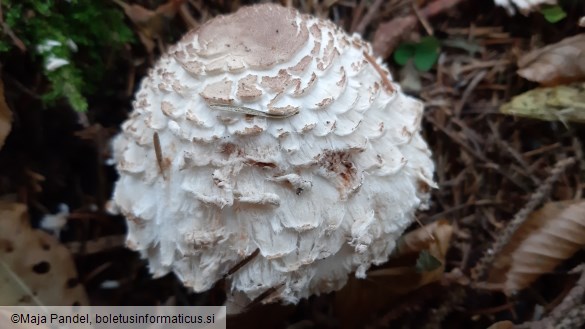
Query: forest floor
x=494 y=170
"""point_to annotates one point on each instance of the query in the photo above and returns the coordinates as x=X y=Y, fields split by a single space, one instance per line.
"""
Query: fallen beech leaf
x=524 y=6
x=564 y=103
x=502 y=325
x=5 y=117
x=150 y=23
x=558 y=63
x=35 y=269
x=389 y=34
x=400 y=275
x=435 y=236
x=549 y=236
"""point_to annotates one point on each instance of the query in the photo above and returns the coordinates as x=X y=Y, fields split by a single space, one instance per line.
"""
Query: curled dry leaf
x=34 y=268
x=554 y=64
x=5 y=117
x=434 y=237
x=549 y=236
x=524 y=6
x=399 y=276
x=564 y=103
x=402 y=272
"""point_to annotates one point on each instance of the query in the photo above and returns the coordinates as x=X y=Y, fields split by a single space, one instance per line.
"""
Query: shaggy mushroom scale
x=272 y=149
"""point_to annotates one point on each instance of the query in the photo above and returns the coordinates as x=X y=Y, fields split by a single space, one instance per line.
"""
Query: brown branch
x=8 y=31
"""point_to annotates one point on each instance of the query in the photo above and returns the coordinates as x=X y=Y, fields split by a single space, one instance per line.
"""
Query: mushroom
x=272 y=149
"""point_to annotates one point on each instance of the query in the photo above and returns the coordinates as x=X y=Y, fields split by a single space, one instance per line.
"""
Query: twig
x=578 y=147
x=514 y=153
x=470 y=87
x=536 y=198
x=572 y=299
x=8 y=31
x=574 y=319
x=191 y=22
x=422 y=19
x=23 y=88
x=356 y=14
x=569 y=314
x=159 y=156
x=242 y=263
x=96 y=246
x=477 y=154
x=542 y=149
x=365 y=21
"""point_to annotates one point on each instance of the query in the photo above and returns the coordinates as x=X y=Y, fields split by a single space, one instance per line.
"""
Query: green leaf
x=403 y=53
x=13 y=15
x=426 y=53
x=4 y=46
x=426 y=262
x=43 y=7
x=553 y=14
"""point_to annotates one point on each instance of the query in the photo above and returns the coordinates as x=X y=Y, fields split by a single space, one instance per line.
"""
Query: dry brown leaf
x=389 y=34
x=150 y=23
x=401 y=272
x=5 y=117
x=34 y=267
x=502 y=325
x=399 y=276
x=549 y=236
x=564 y=103
x=562 y=62
x=435 y=236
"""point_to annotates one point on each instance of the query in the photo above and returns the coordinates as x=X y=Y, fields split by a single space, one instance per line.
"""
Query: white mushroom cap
x=322 y=175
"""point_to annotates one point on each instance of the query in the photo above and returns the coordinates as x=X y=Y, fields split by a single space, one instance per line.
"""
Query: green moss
x=80 y=32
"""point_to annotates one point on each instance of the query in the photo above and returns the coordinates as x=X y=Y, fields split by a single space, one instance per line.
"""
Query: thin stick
x=158 y=152
x=243 y=262
x=373 y=10
x=258 y=300
x=249 y=111
x=383 y=74
x=477 y=154
x=569 y=310
x=422 y=19
x=536 y=198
